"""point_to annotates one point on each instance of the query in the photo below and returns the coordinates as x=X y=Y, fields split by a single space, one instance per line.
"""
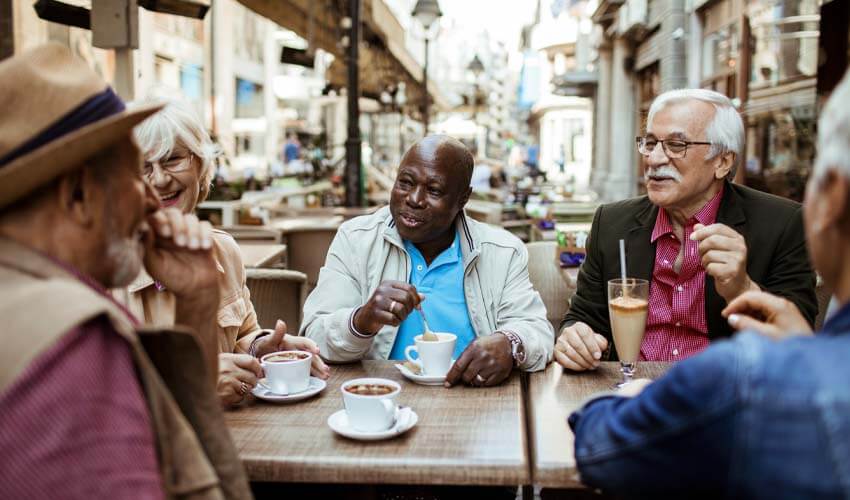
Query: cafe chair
x=554 y=285
x=277 y=294
x=306 y=249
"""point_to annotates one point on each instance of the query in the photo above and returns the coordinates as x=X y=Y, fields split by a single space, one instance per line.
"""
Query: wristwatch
x=517 y=349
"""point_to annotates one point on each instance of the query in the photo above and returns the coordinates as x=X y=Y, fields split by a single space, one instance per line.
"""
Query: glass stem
x=628 y=371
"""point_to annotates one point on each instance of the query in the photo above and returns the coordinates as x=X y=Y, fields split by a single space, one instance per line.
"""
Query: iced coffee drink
x=628 y=320
x=627 y=307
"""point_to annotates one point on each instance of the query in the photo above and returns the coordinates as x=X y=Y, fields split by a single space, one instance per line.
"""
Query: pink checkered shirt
x=676 y=327
x=75 y=425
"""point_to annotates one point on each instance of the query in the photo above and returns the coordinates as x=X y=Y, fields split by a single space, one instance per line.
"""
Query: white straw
x=623 y=260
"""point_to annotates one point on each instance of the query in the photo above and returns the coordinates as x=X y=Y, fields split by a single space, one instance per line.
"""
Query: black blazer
x=777 y=259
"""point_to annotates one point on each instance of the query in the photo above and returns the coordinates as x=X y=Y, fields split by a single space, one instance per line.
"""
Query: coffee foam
x=628 y=305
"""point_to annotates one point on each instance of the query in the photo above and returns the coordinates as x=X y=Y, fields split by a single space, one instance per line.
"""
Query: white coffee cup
x=371 y=412
x=435 y=357
x=287 y=376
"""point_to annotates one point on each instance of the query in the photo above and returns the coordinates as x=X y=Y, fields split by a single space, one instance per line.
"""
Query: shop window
x=784 y=40
x=784 y=150
x=249 y=99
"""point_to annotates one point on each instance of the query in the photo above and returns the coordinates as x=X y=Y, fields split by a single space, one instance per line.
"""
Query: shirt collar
x=839 y=322
x=450 y=255
x=706 y=216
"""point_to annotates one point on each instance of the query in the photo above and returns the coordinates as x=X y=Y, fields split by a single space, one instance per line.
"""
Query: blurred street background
x=549 y=94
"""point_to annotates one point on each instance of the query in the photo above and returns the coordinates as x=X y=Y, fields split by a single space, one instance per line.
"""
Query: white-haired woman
x=179 y=165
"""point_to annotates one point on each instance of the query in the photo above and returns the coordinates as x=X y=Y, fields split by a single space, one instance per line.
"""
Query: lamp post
x=353 y=191
x=476 y=67
x=426 y=12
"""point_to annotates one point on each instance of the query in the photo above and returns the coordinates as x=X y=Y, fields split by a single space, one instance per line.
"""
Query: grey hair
x=834 y=133
x=726 y=130
x=177 y=122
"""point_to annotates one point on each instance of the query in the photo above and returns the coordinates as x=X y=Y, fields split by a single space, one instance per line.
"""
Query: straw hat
x=57 y=112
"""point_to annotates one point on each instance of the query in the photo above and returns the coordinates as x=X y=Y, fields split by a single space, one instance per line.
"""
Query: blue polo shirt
x=444 y=304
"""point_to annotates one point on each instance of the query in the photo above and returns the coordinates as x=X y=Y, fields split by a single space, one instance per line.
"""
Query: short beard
x=123 y=253
x=124 y=256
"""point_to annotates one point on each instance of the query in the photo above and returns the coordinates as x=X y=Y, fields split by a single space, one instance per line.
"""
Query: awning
x=384 y=58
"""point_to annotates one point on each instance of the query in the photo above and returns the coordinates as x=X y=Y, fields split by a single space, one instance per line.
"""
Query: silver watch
x=517 y=348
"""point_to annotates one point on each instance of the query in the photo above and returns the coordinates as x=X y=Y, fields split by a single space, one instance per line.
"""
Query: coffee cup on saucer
x=370 y=403
x=287 y=372
x=434 y=356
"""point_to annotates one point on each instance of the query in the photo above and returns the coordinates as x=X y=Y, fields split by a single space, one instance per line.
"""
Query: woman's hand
x=280 y=341
x=237 y=375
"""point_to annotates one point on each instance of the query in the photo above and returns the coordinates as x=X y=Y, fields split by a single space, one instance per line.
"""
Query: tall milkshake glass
x=627 y=307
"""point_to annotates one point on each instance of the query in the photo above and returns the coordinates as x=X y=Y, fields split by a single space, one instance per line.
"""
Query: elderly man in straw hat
x=90 y=405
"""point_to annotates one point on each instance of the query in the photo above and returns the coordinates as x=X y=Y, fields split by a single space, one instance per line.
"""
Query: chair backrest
x=554 y=285
x=278 y=294
x=253 y=233
x=306 y=250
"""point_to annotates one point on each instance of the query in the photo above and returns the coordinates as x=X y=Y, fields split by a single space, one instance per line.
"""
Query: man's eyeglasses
x=172 y=165
x=673 y=148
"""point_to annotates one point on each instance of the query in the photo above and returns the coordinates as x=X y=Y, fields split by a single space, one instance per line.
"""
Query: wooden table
x=465 y=436
x=261 y=254
x=552 y=396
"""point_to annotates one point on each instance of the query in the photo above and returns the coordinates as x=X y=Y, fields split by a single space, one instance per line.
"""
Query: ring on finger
x=479 y=379
x=392 y=306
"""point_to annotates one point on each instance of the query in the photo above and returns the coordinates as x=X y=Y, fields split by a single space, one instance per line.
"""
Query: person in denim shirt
x=764 y=415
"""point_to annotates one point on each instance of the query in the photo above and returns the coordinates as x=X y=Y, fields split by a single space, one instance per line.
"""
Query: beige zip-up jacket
x=368 y=250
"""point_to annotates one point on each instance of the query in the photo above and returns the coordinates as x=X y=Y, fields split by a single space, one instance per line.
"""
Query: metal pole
x=214 y=122
x=425 y=106
x=353 y=197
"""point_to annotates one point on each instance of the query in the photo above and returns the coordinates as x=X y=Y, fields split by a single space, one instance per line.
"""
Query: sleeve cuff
x=353 y=330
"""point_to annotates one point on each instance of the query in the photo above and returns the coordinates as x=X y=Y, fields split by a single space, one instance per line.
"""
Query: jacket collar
x=29 y=261
x=839 y=322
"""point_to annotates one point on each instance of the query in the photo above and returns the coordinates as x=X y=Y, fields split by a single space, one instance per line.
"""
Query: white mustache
x=663 y=171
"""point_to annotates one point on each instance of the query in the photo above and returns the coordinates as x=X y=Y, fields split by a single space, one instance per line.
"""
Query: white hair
x=726 y=130
x=177 y=123
x=834 y=133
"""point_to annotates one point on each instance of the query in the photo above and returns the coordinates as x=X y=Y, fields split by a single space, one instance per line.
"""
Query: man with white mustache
x=700 y=240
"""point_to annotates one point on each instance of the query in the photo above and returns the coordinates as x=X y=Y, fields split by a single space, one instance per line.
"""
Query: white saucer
x=316 y=386
x=407 y=419
x=421 y=379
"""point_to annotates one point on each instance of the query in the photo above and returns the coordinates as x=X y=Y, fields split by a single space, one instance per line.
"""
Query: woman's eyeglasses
x=173 y=165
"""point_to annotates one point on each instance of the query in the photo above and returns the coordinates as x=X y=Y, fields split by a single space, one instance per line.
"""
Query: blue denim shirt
x=747 y=418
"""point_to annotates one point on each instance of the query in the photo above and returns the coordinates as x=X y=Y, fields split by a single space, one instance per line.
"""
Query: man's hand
x=773 y=316
x=724 y=257
x=179 y=253
x=485 y=362
x=579 y=348
x=237 y=375
x=390 y=304
x=280 y=341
